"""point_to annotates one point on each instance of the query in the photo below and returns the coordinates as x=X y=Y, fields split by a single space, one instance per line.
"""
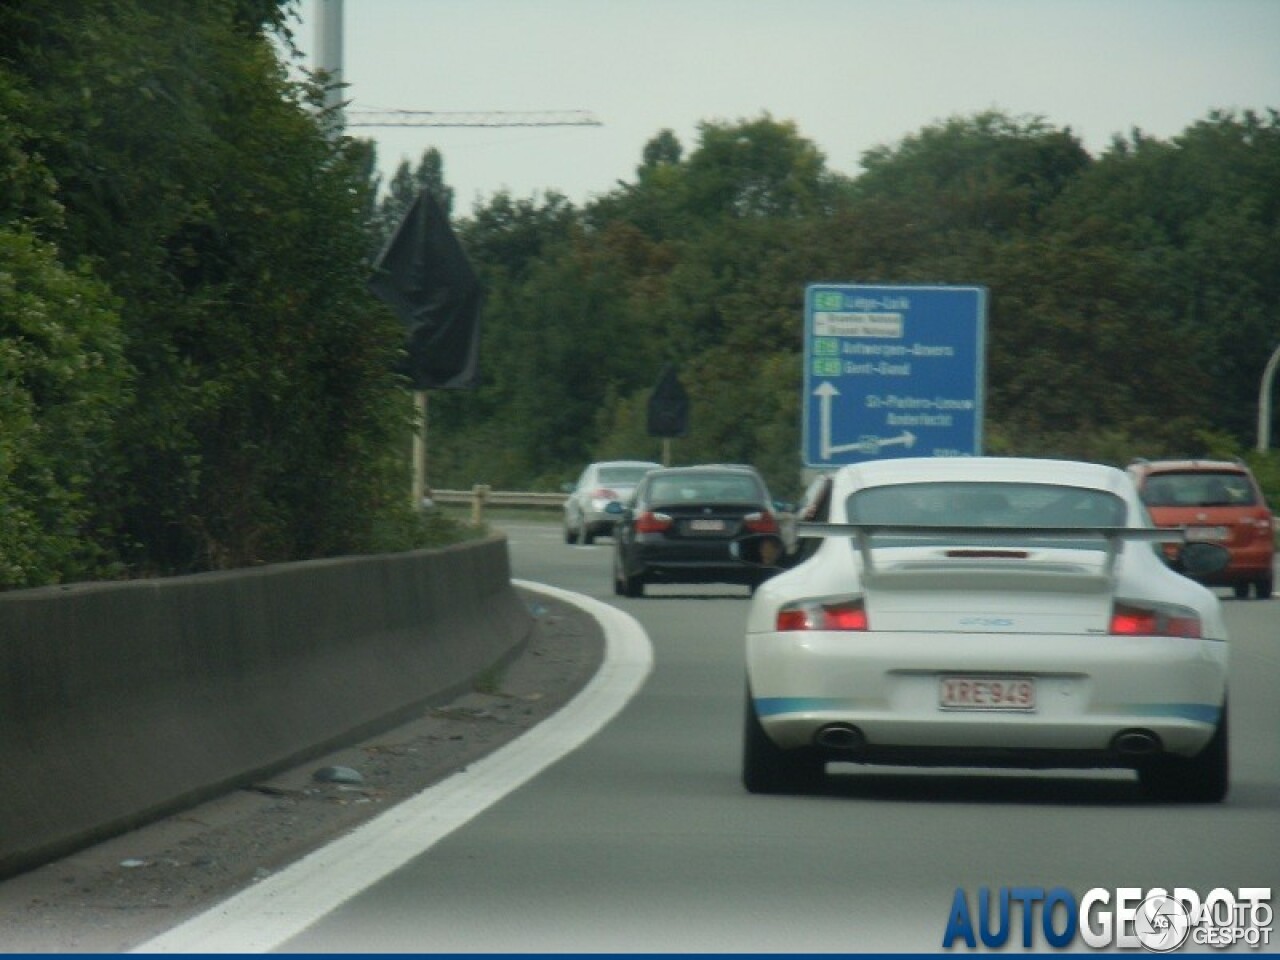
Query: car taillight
x=1154 y=620
x=837 y=613
x=761 y=522
x=650 y=522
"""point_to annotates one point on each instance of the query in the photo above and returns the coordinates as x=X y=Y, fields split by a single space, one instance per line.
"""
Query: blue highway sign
x=892 y=372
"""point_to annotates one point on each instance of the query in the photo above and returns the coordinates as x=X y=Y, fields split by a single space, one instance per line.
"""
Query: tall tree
x=403 y=187
x=265 y=414
x=755 y=168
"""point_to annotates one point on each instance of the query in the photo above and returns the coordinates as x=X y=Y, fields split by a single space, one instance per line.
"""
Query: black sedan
x=678 y=525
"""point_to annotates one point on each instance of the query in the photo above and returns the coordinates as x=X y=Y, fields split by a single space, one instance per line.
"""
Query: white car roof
x=626 y=463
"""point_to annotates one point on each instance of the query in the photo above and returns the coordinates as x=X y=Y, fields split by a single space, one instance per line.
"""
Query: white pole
x=418 y=490
x=329 y=54
x=1264 y=402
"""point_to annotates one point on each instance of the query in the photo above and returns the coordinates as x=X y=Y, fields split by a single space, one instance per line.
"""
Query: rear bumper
x=599 y=524
x=1088 y=691
x=691 y=561
x=700 y=573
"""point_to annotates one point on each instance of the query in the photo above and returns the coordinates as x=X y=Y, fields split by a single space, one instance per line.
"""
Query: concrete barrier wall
x=122 y=702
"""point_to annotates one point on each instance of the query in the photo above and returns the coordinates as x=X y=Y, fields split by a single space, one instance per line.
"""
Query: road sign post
x=892 y=371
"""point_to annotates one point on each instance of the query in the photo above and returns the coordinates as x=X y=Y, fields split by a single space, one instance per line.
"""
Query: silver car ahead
x=601 y=483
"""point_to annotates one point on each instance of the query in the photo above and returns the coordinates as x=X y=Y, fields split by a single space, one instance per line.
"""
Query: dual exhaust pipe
x=1136 y=743
x=846 y=738
x=843 y=737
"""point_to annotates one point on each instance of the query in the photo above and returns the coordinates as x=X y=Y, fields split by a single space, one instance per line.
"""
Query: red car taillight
x=1156 y=620
x=761 y=522
x=836 y=613
x=650 y=522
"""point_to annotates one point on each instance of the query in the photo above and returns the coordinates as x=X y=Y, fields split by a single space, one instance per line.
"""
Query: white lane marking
x=272 y=911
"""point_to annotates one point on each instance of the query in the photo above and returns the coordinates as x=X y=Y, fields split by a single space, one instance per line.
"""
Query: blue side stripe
x=773 y=706
x=1195 y=712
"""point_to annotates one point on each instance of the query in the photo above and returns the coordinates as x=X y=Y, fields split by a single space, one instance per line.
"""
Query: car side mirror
x=567 y=488
x=1201 y=559
x=758 y=550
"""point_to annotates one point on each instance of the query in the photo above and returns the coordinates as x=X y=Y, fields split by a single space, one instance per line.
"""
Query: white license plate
x=1207 y=533
x=707 y=526
x=987 y=693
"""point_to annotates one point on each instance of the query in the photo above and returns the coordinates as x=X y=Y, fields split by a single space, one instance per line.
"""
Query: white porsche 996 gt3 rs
x=987 y=612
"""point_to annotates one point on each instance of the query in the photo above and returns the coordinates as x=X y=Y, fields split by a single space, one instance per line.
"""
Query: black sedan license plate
x=702 y=525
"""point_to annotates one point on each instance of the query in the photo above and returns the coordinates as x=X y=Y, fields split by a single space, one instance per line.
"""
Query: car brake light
x=650 y=522
x=1156 y=620
x=847 y=613
x=761 y=522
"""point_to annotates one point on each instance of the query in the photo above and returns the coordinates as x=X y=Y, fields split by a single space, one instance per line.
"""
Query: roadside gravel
x=120 y=893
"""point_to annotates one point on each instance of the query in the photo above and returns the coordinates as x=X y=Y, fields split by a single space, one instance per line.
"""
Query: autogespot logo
x=1156 y=920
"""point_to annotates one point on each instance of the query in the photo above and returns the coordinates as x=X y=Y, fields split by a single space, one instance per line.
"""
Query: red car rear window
x=1199 y=489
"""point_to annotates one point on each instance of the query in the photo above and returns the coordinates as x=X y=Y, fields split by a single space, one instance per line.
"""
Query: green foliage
x=227 y=260
x=1266 y=467
x=988 y=174
x=756 y=168
x=62 y=381
x=401 y=191
x=1133 y=297
x=194 y=376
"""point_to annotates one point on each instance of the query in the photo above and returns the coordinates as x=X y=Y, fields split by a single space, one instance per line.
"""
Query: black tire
x=618 y=587
x=1203 y=778
x=569 y=535
x=633 y=586
x=767 y=768
x=588 y=538
x=623 y=585
x=1241 y=589
x=1262 y=588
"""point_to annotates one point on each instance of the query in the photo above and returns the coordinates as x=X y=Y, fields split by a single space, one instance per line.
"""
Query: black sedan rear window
x=704 y=488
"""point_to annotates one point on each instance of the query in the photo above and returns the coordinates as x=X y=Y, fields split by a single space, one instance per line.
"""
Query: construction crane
x=460 y=118
x=328 y=63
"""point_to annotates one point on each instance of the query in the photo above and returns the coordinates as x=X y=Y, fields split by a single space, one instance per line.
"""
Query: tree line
x=1134 y=296
x=194 y=376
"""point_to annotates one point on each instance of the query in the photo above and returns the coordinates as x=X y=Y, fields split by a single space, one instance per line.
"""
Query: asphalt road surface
x=618 y=823
x=642 y=839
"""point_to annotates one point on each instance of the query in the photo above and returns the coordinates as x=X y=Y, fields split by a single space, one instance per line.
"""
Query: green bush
x=62 y=383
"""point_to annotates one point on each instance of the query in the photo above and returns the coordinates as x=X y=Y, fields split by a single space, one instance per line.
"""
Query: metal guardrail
x=481 y=496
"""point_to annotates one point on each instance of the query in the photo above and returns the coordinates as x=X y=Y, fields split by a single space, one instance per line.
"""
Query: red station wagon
x=1218 y=501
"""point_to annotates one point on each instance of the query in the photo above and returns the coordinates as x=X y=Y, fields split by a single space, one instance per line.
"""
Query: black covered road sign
x=669 y=406
x=426 y=278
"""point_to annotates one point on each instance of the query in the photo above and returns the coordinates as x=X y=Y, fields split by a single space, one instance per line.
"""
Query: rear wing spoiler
x=1113 y=537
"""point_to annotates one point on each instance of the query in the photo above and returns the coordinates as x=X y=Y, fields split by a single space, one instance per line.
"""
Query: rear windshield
x=1199 y=489
x=705 y=488
x=623 y=475
x=986 y=505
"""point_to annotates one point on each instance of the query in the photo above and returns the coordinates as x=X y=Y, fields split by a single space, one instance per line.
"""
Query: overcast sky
x=851 y=74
